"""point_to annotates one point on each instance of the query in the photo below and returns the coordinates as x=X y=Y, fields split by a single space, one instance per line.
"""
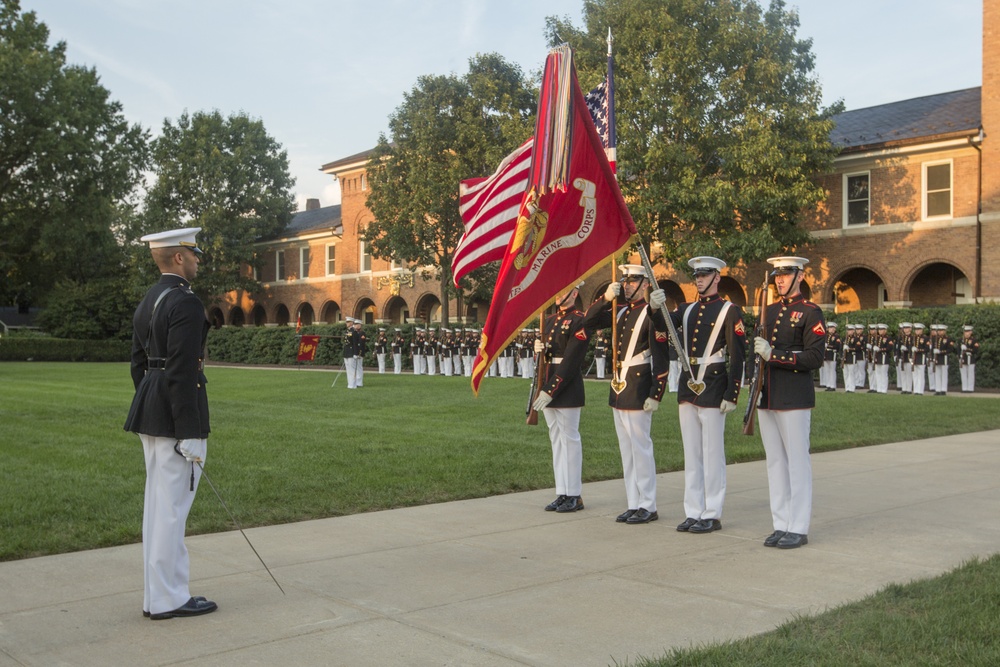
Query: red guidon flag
x=572 y=219
x=307 y=348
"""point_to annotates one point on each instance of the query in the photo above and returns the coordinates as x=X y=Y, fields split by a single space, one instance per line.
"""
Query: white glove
x=875 y=348
x=651 y=405
x=964 y=348
x=868 y=346
x=914 y=348
x=937 y=351
x=762 y=347
x=727 y=407
x=658 y=299
x=193 y=449
x=539 y=347
x=541 y=402
x=613 y=292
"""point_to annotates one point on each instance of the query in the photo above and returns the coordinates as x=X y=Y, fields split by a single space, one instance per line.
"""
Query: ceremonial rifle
x=757 y=380
x=538 y=379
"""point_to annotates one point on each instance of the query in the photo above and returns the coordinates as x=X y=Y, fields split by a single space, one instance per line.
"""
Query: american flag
x=489 y=206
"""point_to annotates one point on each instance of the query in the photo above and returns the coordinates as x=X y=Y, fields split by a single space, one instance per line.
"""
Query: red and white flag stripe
x=489 y=208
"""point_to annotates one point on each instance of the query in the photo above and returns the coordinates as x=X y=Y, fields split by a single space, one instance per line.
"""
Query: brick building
x=911 y=218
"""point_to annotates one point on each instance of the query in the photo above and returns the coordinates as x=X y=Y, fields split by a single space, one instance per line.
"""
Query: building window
x=366 y=257
x=364 y=183
x=856 y=199
x=304 y=262
x=331 y=260
x=279 y=265
x=396 y=265
x=937 y=189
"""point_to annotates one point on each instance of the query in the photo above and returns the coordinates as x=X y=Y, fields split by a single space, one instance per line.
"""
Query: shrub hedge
x=42 y=348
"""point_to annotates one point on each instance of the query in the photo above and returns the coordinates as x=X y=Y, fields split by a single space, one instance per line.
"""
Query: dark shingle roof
x=319 y=218
x=957 y=112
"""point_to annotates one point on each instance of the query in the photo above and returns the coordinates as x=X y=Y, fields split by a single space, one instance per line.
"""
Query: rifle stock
x=758 y=367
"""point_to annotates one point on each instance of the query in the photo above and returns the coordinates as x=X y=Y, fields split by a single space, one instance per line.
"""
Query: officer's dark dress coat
x=566 y=339
x=724 y=378
x=797 y=333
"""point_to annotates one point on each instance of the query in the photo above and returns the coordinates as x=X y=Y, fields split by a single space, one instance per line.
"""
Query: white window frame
x=280 y=272
x=304 y=260
x=329 y=247
x=362 y=247
x=951 y=190
x=396 y=265
x=846 y=207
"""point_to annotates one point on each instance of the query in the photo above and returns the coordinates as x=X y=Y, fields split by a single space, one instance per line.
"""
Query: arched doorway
x=429 y=309
x=731 y=289
x=856 y=289
x=258 y=316
x=305 y=315
x=940 y=284
x=396 y=310
x=216 y=318
x=331 y=312
x=236 y=317
x=281 y=316
x=365 y=311
x=675 y=295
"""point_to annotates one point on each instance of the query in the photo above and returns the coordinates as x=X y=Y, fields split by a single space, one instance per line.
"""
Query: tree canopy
x=70 y=169
x=719 y=120
x=448 y=128
x=227 y=176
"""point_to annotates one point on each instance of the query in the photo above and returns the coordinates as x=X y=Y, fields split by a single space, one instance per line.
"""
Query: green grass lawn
x=286 y=446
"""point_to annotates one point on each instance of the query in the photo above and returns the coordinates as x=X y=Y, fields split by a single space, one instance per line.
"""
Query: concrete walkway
x=497 y=581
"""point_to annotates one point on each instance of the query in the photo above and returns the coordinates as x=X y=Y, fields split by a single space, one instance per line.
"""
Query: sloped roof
x=955 y=113
x=303 y=222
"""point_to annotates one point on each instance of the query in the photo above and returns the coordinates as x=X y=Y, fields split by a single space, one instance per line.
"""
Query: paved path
x=497 y=581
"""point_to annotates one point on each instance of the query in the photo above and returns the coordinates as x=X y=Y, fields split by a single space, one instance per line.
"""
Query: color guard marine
x=398 y=343
x=381 y=349
x=828 y=373
x=968 y=355
x=941 y=347
x=904 y=357
x=921 y=350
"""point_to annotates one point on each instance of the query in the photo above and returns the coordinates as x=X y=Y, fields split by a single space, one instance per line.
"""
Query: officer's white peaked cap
x=787 y=264
x=706 y=264
x=175 y=237
x=632 y=270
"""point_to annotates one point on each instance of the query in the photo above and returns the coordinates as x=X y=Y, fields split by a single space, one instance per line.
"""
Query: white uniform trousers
x=918 y=378
x=785 y=435
x=899 y=375
x=431 y=364
x=906 y=377
x=931 y=378
x=381 y=362
x=673 y=376
x=600 y=364
x=881 y=378
x=850 y=377
x=447 y=366
x=941 y=378
x=638 y=465
x=968 y=375
x=397 y=363
x=870 y=369
x=494 y=368
x=859 y=377
x=359 y=372
x=828 y=374
x=467 y=367
x=168 y=499
x=351 y=367
x=702 y=430
x=567 y=449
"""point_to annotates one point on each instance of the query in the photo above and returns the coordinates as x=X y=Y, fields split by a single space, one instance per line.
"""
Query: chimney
x=312 y=204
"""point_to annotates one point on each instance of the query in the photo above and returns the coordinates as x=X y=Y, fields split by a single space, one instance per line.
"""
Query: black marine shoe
x=773 y=539
x=792 y=541
x=706 y=526
x=642 y=515
x=193 y=607
x=686 y=524
x=571 y=504
x=554 y=505
x=625 y=516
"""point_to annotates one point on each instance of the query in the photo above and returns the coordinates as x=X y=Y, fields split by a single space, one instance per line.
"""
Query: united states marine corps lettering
x=643 y=355
x=714 y=340
x=792 y=348
x=169 y=412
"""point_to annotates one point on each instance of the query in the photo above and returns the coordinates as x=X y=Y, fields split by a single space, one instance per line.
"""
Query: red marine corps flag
x=307 y=348
x=572 y=218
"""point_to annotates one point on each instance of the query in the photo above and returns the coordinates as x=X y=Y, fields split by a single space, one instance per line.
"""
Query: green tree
x=719 y=119
x=70 y=169
x=448 y=128
x=227 y=176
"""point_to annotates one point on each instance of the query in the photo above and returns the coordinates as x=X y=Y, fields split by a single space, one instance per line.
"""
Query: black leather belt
x=157 y=363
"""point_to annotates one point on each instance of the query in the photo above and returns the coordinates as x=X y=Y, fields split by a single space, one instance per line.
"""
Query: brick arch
x=931 y=283
x=394 y=309
x=258 y=316
x=282 y=317
x=426 y=304
x=237 y=317
x=304 y=313
x=331 y=313
x=855 y=287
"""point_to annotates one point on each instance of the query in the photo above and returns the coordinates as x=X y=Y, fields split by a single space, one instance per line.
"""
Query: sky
x=325 y=75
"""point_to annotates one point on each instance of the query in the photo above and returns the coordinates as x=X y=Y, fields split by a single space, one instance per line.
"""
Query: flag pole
x=616 y=382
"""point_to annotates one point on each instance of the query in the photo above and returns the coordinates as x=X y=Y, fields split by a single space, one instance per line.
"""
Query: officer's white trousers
x=567 y=449
x=397 y=363
x=941 y=378
x=447 y=366
x=881 y=378
x=381 y=362
x=906 y=377
x=168 y=498
x=673 y=376
x=968 y=375
x=638 y=465
x=351 y=366
x=785 y=435
x=702 y=430
x=918 y=378
x=850 y=377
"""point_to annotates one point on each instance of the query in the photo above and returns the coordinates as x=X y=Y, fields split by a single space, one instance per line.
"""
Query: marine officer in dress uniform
x=921 y=352
x=828 y=373
x=792 y=348
x=850 y=358
x=170 y=414
x=637 y=387
x=561 y=398
x=882 y=351
x=417 y=352
x=381 y=349
x=715 y=343
x=904 y=358
x=600 y=354
x=968 y=355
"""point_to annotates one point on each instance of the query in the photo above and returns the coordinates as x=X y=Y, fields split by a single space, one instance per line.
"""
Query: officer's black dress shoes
x=571 y=504
x=196 y=597
x=686 y=524
x=554 y=505
x=792 y=541
x=773 y=539
x=642 y=516
x=706 y=526
x=193 y=607
x=625 y=516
